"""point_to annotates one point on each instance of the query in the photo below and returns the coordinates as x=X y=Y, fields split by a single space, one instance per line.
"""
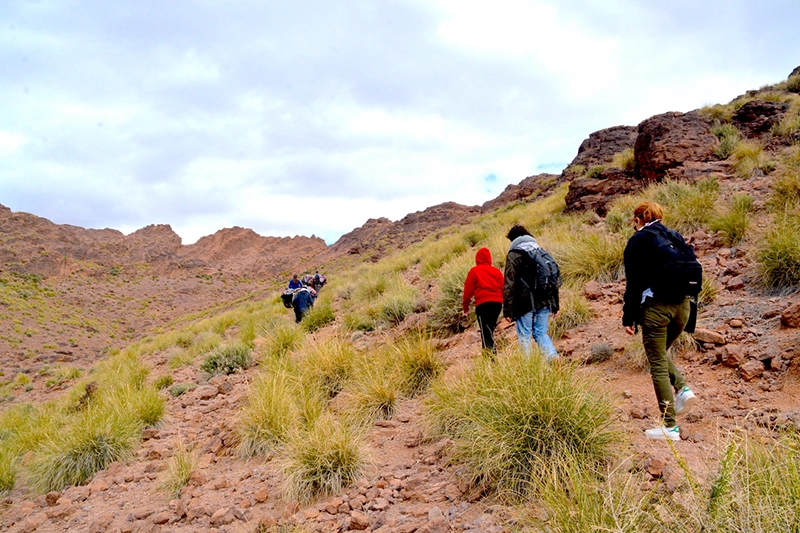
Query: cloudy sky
x=309 y=117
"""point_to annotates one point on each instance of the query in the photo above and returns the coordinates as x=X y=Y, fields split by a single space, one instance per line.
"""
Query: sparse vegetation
x=793 y=84
x=510 y=419
x=162 y=382
x=446 y=314
x=97 y=439
x=729 y=139
x=624 y=160
x=181 y=388
x=323 y=459
x=734 y=220
x=575 y=311
x=749 y=158
x=418 y=361
x=282 y=340
x=318 y=316
x=227 y=359
x=779 y=254
x=179 y=469
x=269 y=414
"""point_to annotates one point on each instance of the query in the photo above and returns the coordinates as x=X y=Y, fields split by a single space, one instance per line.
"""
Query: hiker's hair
x=648 y=212
x=517 y=230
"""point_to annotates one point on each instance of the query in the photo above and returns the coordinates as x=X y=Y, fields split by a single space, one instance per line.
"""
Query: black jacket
x=640 y=269
x=519 y=279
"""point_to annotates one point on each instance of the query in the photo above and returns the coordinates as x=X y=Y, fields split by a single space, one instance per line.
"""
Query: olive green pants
x=662 y=324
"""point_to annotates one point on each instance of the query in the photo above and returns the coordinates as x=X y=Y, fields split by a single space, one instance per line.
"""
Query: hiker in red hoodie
x=485 y=282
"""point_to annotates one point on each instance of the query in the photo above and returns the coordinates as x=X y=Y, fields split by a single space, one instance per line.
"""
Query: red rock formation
x=666 y=141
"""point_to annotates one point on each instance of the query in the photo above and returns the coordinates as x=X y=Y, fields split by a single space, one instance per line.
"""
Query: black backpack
x=544 y=275
x=677 y=273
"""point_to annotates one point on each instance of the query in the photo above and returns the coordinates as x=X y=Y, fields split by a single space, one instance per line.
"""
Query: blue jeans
x=529 y=325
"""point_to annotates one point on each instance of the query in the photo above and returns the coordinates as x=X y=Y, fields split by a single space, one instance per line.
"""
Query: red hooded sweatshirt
x=484 y=281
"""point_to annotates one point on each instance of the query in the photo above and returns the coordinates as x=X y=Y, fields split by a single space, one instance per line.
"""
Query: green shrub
x=283 y=339
x=748 y=157
x=418 y=361
x=323 y=459
x=162 y=382
x=793 y=84
x=779 y=254
x=73 y=456
x=446 y=311
x=589 y=255
x=179 y=469
x=785 y=195
x=318 y=316
x=181 y=388
x=227 y=359
x=729 y=139
x=734 y=221
x=624 y=160
x=687 y=207
x=473 y=237
x=397 y=303
x=372 y=393
x=579 y=500
x=756 y=488
x=708 y=292
x=509 y=419
x=575 y=311
x=595 y=171
x=326 y=365
x=789 y=127
x=8 y=471
x=269 y=413
x=441 y=252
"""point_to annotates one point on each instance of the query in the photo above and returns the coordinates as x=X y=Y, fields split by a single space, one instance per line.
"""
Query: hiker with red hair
x=485 y=283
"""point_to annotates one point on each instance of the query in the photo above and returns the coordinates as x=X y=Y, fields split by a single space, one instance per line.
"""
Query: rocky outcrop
x=595 y=194
x=795 y=72
x=665 y=142
x=757 y=117
x=378 y=236
x=35 y=245
x=602 y=145
x=530 y=187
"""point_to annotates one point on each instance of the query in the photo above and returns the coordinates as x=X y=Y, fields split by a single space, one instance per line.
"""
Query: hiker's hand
x=629 y=330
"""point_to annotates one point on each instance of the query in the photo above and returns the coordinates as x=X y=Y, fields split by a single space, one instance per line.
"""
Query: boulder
x=751 y=369
x=790 y=317
x=732 y=355
x=708 y=336
x=666 y=142
x=795 y=72
x=592 y=290
x=757 y=117
x=602 y=145
x=594 y=194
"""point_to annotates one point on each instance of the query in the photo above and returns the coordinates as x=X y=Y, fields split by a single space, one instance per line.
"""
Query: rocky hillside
x=69 y=294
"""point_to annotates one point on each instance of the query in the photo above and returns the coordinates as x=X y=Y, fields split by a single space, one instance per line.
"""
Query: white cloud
x=11 y=142
x=206 y=115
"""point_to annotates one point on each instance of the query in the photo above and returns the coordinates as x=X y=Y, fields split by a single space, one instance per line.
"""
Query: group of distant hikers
x=301 y=294
x=663 y=280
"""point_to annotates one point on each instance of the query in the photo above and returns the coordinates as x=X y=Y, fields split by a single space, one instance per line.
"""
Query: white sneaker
x=684 y=401
x=663 y=433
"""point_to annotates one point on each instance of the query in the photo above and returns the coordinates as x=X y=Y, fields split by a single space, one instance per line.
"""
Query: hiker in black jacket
x=531 y=313
x=661 y=317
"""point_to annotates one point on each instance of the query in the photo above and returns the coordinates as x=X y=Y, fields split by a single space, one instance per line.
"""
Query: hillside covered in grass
x=378 y=412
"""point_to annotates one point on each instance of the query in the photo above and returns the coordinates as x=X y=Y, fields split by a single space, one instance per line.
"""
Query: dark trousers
x=661 y=325
x=487 y=314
